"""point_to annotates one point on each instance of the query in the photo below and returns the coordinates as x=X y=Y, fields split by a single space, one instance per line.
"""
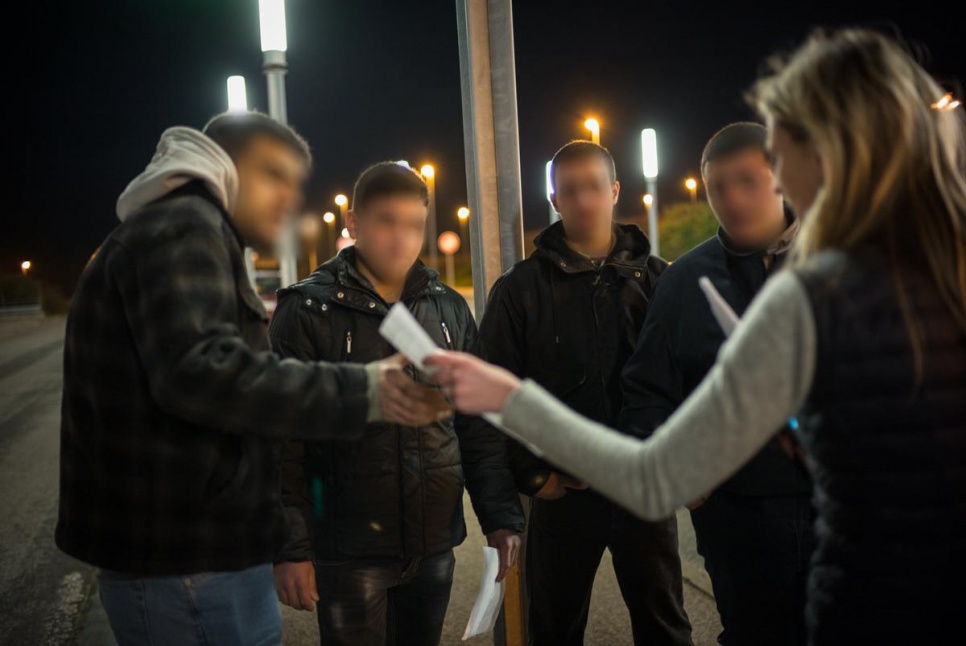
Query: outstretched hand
x=473 y=385
x=403 y=401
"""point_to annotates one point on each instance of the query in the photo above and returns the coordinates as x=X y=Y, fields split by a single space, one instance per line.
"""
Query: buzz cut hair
x=233 y=131
x=581 y=149
x=388 y=178
x=734 y=138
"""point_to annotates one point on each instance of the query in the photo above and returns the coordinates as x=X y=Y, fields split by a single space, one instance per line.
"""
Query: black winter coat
x=398 y=491
x=570 y=324
x=172 y=400
x=679 y=344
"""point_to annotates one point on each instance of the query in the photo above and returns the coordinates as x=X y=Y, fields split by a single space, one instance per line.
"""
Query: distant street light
x=343 y=203
x=25 y=267
x=274 y=37
x=649 y=166
x=648 y=200
x=345 y=233
x=429 y=174
x=594 y=126
x=449 y=244
x=554 y=216
x=237 y=96
x=463 y=216
x=692 y=185
x=946 y=103
x=329 y=218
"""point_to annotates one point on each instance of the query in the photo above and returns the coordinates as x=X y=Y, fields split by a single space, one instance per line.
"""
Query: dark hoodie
x=570 y=323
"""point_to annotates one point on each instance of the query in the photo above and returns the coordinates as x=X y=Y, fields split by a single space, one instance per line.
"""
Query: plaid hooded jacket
x=173 y=403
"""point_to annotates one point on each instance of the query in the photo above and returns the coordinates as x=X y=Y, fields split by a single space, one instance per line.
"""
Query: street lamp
x=449 y=244
x=594 y=126
x=271 y=18
x=649 y=166
x=343 y=203
x=329 y=218
x=25 y=267
x=554 y=216
x=692 y=185
x=463 y=215
x=237 y=96
x=429 y=174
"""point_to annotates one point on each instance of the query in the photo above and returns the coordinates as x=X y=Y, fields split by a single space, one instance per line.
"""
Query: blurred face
x=797 y=166
x=741 y=192
x=585 y=195
x=389 y=232
x=270 y=177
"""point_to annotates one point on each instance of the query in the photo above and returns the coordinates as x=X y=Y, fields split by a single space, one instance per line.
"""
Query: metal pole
x=275 y=68
x=432 y=224
x=652 y=230
x=492 y=144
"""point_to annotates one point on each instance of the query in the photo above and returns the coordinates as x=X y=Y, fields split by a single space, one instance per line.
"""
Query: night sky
x=372 y=80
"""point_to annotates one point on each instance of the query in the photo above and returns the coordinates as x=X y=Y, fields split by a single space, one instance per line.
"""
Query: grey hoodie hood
x=183 y=155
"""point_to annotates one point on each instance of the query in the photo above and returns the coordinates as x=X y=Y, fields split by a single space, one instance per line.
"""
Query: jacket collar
x=779 y=246
x=631 y=249
x=359 y=291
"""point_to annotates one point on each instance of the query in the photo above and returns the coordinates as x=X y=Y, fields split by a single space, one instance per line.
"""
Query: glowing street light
x=554 y=216
x=463 y=215
x=343 y=203
x=237 y=96
x=692 y=185
x=594 y=126
x=449 y=244
x=345 y=232
x=648 y=200
x=25 y=267
x=329 y=218
x=649 y=166
x=271 y=20
x=429 y=174
x=946 y=103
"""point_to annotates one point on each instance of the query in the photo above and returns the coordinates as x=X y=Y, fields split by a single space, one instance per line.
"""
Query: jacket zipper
x=348 y=343
x=449 y=339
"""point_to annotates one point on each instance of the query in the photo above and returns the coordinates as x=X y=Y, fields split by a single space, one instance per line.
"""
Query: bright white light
x=345 y=233
x=271 y=16
x=341 y=200
x=237 y=97
x=649 y=152
x=329 y=217
x=549 y=181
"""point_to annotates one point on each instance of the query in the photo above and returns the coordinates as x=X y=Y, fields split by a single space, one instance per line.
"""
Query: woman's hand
x=473 y=385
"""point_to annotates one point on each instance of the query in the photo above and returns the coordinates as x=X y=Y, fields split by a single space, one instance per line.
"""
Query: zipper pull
x=348 y=342
x=449 y=339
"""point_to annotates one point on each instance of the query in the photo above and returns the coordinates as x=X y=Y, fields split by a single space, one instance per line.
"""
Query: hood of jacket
x=183 y=155
x=631 y=248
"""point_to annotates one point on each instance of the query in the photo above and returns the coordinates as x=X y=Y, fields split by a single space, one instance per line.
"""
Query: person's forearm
x=762 y=377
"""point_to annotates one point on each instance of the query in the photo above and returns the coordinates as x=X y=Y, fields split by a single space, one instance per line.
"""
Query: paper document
x=405 y=333
x=490 y=598
x=723 y=313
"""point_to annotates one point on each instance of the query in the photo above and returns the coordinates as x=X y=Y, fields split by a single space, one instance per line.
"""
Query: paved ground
x=47 y=598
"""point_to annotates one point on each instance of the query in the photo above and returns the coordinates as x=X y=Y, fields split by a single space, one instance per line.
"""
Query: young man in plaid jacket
x=173 y=402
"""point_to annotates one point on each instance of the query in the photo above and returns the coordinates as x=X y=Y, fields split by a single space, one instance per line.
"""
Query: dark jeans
x=566 y=541
x=372 y=602
x=757 y=551
x=207 y=609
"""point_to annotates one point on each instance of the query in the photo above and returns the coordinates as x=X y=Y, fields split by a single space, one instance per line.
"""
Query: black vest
x=888 y=455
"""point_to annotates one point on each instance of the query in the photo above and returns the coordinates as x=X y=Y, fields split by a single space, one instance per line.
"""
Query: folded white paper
x=490 y=598
x=405 y=333
x=723 y=313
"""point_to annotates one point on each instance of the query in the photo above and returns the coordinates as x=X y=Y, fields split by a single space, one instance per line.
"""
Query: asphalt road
x=47 y=598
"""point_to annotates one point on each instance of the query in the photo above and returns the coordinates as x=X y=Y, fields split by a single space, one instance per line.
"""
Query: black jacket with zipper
x=570 y=324
x=397 y=492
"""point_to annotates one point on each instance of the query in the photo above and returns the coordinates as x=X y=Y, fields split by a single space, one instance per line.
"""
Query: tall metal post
x=491 y=138
x=652 y=230
x=492 y=145
x=275 y=68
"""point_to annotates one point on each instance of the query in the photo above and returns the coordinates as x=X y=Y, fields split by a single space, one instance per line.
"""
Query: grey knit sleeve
x=762 y=377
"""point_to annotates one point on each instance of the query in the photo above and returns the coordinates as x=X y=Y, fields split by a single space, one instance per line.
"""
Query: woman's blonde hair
x=894 y=162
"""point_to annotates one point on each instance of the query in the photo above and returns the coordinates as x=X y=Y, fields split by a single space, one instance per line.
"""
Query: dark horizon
x=371 y=81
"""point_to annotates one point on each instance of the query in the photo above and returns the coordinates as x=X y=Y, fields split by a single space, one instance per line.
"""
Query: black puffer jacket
x=579 y=321
x=398 y=492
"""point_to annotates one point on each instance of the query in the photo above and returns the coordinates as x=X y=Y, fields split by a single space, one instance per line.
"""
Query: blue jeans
x=207 y=609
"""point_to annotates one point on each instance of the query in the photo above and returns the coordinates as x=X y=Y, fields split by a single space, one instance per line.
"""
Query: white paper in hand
x=723 y=313
x=490 y=598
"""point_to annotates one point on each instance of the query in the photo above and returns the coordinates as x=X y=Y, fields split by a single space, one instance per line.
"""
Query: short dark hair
x=581 y=149
x=388 y=178
x=234 y=130
x=733 y=138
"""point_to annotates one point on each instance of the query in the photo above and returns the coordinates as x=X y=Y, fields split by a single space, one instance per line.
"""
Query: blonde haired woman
x=864 y=338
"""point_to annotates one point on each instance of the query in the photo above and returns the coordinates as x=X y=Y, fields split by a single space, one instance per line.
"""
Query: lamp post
x=594 y=126
x=463 y=214
x=554 y=216
x=237 y=95
x=25 y=267
x=271 y=18
x=449 y=244
x=342 y=202
x=692 y=185
x=329 y=218
x=429 y=174
x=649 y=166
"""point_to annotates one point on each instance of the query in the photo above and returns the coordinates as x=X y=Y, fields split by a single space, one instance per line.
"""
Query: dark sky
x=372 y=80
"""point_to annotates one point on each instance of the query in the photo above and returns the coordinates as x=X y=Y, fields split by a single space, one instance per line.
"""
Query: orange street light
x=25 y=266
x=594 y=126
x=692 y=185
x=449 y=244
